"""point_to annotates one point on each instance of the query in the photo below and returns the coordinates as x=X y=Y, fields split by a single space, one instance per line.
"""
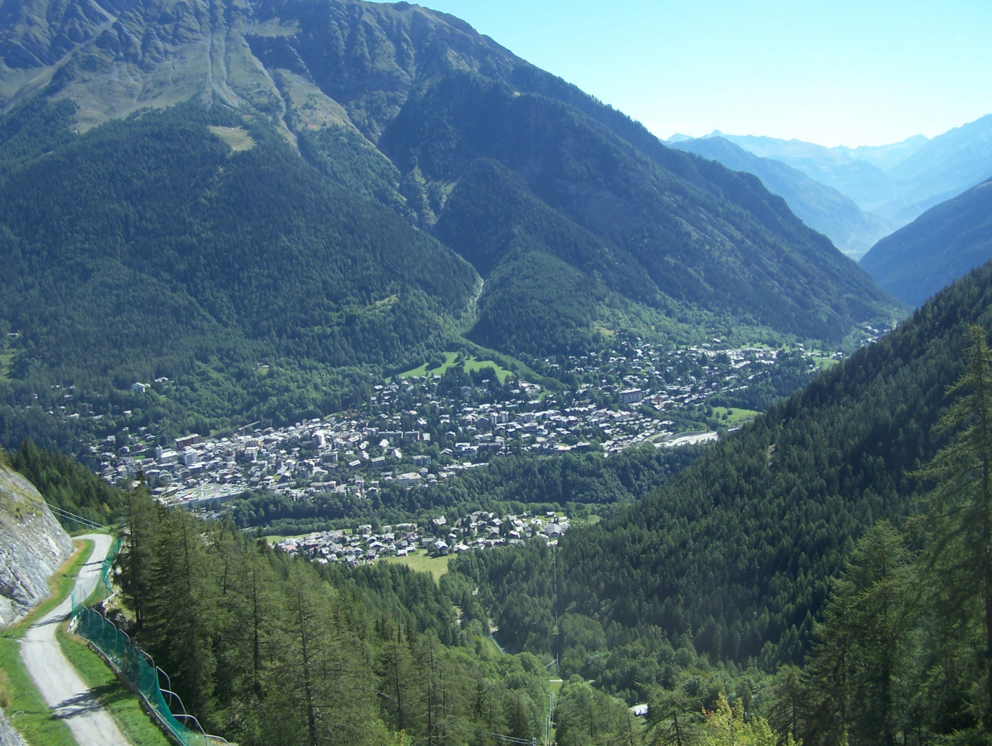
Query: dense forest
x=264 y=648
x=145 y=249
x=822 y=575
x=67 y=485
x=588 y=193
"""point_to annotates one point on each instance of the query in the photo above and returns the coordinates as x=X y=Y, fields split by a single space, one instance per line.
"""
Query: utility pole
x=554 y=603
x=554 y=568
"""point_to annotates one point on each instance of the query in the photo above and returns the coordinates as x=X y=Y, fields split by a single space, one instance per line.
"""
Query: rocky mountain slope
x=9 y=736
x=943 y=244
x=32 y=546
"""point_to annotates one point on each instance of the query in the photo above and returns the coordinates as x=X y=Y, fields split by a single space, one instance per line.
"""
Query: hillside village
x=417 y=430
x=478 y=530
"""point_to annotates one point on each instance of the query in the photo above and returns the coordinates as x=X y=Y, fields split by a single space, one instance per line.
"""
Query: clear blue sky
x=849 y=72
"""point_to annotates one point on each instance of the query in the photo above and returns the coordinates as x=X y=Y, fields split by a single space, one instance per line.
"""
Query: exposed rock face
x=32 y=546
x=9 y=736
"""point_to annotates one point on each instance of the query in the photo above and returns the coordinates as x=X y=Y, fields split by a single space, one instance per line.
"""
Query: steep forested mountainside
x=735 y=554
x=941 y=245
x=221 y=194
x=701 y=234
x=822 y=208
x=193 y=244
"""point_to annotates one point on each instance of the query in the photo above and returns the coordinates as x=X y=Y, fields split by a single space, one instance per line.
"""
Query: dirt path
x=56 y=679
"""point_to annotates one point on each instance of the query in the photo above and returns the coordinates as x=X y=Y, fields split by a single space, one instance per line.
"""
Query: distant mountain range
x=860 y=180
x=822 y=208
x=943 y=244
x=896 y=182
x=188 y=191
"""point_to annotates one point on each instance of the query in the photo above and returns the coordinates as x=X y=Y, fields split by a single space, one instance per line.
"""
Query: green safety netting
x=134 y=666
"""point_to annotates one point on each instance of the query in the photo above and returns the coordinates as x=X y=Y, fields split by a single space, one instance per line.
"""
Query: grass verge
x=23 y=704
x=19 y=697
x=124 y=706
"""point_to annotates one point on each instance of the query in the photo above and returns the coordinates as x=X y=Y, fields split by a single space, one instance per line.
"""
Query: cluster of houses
x=413 y=432
x=436 y=537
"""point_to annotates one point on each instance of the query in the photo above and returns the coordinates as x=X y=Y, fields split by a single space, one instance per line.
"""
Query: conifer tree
x=140 y=525
x=180 y=606
x=959 y=542
x=675 y=717
x=862 y=655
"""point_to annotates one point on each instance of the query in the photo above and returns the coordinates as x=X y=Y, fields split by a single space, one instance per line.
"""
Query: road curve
x=56 y=679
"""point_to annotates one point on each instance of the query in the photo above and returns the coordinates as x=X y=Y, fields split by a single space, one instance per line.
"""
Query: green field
x=421 y=562
x=236 y=138
x=824 y=362
x=735 y=416
x=470 y=364
x=588 y=521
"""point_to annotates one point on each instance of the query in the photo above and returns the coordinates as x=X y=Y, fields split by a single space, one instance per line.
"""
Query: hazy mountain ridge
x=822 y=208
x=863 y=182
x=885 y=156
x=941 y=169
x=898 y=182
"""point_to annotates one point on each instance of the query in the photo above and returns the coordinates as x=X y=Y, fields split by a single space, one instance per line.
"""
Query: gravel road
x=58 y=682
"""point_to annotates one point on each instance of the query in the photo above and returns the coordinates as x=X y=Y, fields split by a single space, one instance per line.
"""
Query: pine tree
x=140 y=525
x=675 y=718
x=863 y=654
x=789 y=706
x=395 y=669
x=181 y=610
x=959 y=520
x=245 y=624
x=319 y=690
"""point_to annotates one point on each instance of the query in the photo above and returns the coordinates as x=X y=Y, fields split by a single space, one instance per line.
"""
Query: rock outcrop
x=32 y=546
x=9 y=736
